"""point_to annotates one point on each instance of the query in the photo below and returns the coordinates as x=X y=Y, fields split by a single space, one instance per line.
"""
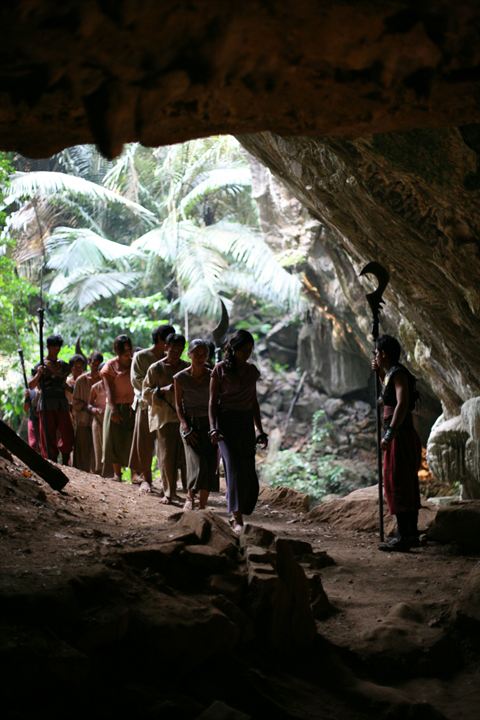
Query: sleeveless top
x=195 y=393
x=235 y=391
x=389 y=395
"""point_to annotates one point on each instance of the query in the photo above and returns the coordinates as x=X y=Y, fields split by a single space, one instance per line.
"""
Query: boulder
x=284 y=498
x=359 y=511
x=457 y=523
x=404 y=644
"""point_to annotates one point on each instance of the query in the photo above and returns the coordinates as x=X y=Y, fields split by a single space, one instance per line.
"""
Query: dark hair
x=162 y=332
x=175 y=339
x=390 y=346
x=54 y=341
x=95 y=356
x=77 y=358
x=237 y=341
x=198 y=342
x=120 y=343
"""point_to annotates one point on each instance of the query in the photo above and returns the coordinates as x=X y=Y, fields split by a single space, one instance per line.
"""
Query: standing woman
x=192 y=387
x=234 y=412
x=119 y=417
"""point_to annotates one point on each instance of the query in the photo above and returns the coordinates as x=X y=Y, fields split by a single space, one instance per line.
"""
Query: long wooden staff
x=20 y=351
x=376 y=301
x=41 y=320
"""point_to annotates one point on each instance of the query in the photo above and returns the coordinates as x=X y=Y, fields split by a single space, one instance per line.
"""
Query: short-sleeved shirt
x=52 y=385
x=81 y=396
x=195 y=392
x=98 y=396
x=122 y=385
x=140 y=364
x=161 y=409
x=236 y=391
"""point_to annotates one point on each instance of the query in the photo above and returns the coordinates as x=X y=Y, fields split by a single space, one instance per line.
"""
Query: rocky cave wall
x=409 y=201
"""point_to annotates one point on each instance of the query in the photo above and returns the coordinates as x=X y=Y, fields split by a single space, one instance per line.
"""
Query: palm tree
x=186 y=199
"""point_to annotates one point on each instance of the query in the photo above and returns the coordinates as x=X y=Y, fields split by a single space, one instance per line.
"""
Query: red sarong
x=56 y=434
x=401 y=463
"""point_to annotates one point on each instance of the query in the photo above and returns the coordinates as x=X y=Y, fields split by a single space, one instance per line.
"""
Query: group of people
x=113 y=416
x=116 y=413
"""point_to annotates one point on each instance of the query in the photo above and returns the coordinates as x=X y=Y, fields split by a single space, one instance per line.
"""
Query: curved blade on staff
x=220 y=332
x=78 y=349
x=375 y=300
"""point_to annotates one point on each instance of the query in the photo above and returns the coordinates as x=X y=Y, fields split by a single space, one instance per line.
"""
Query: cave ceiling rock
x=164 y=72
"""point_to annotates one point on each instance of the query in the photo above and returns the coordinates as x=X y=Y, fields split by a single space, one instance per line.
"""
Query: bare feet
x=188 y=505
x=117 y=478
x=145 y=487
x=165 y=500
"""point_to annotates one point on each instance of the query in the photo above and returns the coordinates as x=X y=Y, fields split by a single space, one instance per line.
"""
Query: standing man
x=159 y=394
x=402 y=450
x=83 y=453
x=56 y=430
x=143 y=443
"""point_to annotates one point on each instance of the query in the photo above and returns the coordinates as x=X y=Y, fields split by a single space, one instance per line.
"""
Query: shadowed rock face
x=162 y=72
x=408 y=200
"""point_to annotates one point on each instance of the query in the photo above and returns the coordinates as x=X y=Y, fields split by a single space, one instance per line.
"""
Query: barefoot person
x=119 y=418
x=83 y=452
x=191 y=400
x=143 y=443
x=234 y=412
x=162 y=417
x=401 y=445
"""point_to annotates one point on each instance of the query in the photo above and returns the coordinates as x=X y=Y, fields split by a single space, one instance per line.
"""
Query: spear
x=41 y=318
x=376 y=301
x=20 y=351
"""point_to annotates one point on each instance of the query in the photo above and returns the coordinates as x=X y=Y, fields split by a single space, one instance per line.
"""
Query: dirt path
x=45 y=535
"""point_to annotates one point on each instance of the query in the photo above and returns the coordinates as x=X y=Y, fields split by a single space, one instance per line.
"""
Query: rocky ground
x=116 y=605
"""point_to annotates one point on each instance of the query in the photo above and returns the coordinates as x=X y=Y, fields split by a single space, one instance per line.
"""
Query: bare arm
x=34 y=382
x=213 y=402
x=402 y=395
x=149 y=385
x=179 y=405
x=136 y=374
x=401 y=408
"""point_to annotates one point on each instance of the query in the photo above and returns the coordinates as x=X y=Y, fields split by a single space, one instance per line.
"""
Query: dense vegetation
x=110 y=247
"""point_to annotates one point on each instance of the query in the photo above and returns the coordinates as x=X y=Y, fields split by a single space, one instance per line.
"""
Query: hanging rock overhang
x=163 y=72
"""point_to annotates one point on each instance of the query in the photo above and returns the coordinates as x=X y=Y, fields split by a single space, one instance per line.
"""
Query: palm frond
x=199 y=300
x=250 y=251
x=77 y=159
x=231 y=178
x=56 y=184
x=72 y=248
x=81 y=289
